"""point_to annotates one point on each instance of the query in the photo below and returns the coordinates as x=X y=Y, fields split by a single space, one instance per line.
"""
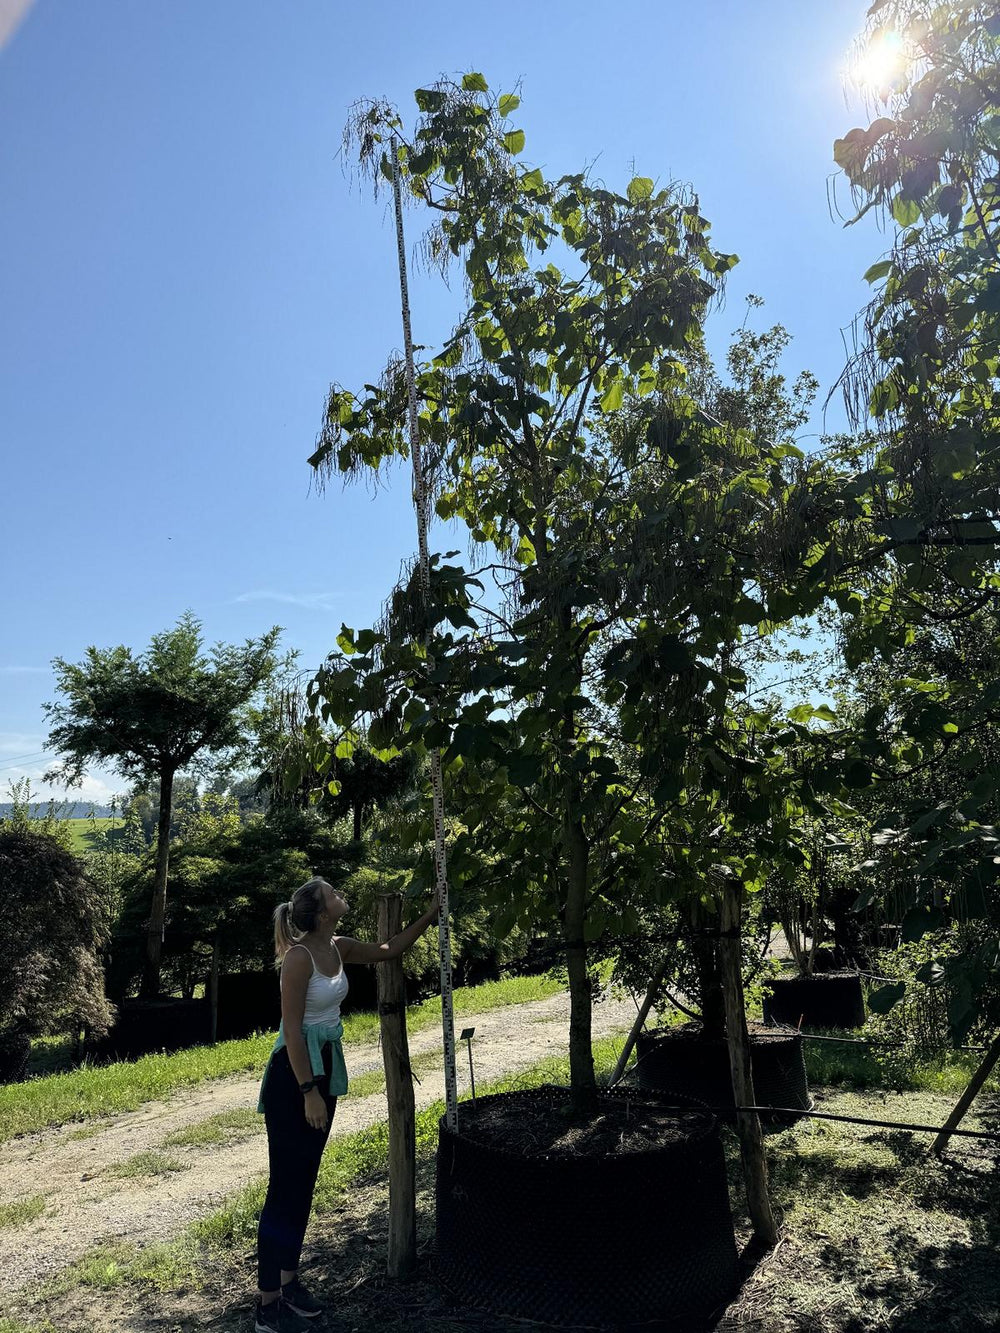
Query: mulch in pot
x=613 y=1220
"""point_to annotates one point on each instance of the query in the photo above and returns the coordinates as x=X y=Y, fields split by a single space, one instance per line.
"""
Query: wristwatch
x=307 y=1087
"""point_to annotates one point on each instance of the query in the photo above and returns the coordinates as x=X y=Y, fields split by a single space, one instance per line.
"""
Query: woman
x=303 y=1079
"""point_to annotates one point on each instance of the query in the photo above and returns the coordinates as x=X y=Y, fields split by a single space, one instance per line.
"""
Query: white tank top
x=324 y=995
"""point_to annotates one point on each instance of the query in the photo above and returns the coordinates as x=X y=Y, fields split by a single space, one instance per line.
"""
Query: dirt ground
x=86 y=1205
x=875 y=1238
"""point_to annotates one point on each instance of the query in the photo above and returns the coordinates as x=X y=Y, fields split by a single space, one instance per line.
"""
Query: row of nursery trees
x=643 y=538
x=181 y=882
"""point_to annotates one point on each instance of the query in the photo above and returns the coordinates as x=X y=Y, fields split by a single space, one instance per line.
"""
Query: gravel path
x=84 y=1205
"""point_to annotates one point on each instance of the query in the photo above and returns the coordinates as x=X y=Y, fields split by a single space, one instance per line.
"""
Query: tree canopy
x=153 y=714
x=580 y=681
x=52 y=932
x=926 y=372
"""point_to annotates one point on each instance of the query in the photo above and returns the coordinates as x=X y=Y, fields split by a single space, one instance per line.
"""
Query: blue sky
x=184 y=267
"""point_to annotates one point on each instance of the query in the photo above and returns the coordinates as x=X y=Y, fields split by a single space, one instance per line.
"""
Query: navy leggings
x=294 y=1150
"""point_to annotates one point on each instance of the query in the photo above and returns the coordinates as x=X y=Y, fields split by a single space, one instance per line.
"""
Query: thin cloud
x=93 y=790
x=312 y=601
x=11 y=14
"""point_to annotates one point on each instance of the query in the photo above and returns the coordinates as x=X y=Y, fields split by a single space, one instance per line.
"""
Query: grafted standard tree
x=150 y=716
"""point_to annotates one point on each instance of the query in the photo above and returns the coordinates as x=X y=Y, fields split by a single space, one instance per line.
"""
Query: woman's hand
x=316 y=1109
x=434 y=911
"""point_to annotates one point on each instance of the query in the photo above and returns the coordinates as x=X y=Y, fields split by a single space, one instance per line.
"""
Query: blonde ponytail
x=283 y=937
x=298 y=916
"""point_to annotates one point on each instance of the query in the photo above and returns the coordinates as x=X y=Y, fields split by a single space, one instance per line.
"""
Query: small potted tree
x=825 y=989
x=682 y=955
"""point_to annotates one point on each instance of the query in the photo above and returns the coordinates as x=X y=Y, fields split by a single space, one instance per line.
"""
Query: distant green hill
x=71 y=810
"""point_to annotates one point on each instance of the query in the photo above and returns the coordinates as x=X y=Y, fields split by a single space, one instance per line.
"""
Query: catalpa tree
x=577 y=680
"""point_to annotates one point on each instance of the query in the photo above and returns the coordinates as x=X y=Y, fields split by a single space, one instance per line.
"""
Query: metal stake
x=466 y=1036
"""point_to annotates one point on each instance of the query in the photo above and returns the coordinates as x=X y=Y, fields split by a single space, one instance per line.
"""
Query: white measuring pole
x=437 y=786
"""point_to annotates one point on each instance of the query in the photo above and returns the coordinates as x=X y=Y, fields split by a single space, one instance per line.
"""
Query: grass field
x=82 y=833
x=215 y=1239
x=875 y=1233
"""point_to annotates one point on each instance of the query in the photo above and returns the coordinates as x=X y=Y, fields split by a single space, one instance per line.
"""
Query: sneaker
x=277 y=1318
x=300 y=1299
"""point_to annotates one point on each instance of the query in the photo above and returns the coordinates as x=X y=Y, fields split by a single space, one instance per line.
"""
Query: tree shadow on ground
x=880 y=1235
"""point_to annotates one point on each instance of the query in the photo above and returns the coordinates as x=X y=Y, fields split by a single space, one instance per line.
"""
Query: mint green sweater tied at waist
x=316 y=1035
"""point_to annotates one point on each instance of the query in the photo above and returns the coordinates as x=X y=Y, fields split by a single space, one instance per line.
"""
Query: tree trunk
x=819 y=904
x=583 y=1083
x=730 y=895
x=793 y=938
x=402 y=1256
x=707 y=962
x=158 y=909
x=967 y=1097
x=213 y=993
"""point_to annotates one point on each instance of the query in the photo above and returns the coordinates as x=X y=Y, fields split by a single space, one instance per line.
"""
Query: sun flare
x=883 y=61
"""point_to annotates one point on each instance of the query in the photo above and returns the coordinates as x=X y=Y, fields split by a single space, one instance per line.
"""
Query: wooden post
x=729 y=895
x=640 y=1019
x=402 y=1256
x=966 y=1099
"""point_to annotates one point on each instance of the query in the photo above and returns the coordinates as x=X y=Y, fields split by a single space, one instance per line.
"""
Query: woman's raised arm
x=360 y=951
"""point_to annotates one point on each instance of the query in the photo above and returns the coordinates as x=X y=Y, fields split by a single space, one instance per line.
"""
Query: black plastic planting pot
x=681 y=1060
x=163 y=1024
x=14 y=1051
x=595 y=1239
x=248 y=1002
x=826 y=1000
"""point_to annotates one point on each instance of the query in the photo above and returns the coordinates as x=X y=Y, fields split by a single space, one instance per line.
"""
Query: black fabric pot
x=828 y=1000
x=248 y=1002
x=681 y=1060
x=596 y=1240
x=163 y=1024
x=15 y=1048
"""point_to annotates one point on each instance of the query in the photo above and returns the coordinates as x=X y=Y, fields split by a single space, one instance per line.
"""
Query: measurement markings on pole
x=437 y=785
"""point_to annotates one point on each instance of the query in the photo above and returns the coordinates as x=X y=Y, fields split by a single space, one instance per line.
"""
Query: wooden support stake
x=729 y=895
x=965 y=1101
x=402 y=1255
x=640 y=1019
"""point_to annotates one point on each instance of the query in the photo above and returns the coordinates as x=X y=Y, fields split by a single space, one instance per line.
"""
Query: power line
x=23 y=758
